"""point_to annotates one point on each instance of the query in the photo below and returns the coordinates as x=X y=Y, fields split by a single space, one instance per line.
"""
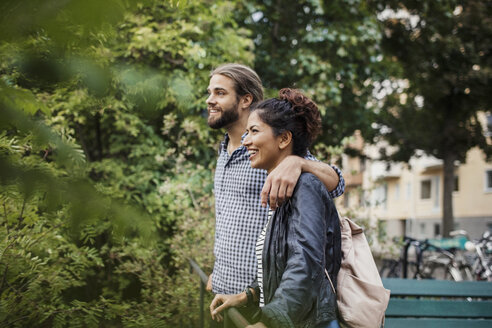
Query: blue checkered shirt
x=240 y=218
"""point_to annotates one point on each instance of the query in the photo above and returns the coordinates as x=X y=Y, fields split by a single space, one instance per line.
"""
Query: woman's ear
x=285 y=139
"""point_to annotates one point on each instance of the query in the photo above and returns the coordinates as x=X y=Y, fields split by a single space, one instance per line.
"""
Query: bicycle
x=392 y=268
x=422 y=268
x=445 y=261
x=481 y=263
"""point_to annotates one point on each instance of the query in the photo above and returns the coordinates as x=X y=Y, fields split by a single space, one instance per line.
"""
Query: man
x=241 y=192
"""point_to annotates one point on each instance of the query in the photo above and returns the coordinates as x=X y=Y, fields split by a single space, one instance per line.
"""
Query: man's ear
x=285 y=139
x=246 y=101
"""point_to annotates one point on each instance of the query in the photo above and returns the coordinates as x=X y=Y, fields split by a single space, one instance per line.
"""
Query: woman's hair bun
x=303 y=107
x=291 y=95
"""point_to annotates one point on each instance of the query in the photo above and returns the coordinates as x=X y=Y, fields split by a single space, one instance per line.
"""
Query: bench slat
x=439 y=308
x=412 y=287
x=436 y=323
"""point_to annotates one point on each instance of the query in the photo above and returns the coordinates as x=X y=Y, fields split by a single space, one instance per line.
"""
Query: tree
x=441 y=49
x=103 y=141
x=330 y=49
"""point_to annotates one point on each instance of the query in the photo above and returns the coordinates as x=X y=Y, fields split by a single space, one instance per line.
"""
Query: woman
x=302 y=237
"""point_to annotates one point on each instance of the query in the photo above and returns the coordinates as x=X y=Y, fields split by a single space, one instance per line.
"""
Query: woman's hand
x=222 y=302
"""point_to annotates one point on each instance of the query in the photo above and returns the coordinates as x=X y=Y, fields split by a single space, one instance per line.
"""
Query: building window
x=380 y=195
x=488 y=180
x=489 y=126
x=436 y=191
x=437 y=229
x=456 y=183
x=425 y=189
x=409 y=190
x=362 y=164
x=397 y=191
x=361 y=198
x=346 y=199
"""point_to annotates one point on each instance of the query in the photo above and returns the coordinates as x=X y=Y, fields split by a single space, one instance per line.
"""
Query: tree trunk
x=99 y=145
x=447 y=204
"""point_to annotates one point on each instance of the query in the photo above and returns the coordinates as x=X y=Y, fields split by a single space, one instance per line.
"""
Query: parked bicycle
x=437 y=260
x=400 y=268
x=445 y=264
x=480 y=262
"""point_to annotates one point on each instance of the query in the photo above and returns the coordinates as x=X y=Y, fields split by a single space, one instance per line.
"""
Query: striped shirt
x=259 y=257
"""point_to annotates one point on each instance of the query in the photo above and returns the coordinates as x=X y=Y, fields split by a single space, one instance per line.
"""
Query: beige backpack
x=361 y=298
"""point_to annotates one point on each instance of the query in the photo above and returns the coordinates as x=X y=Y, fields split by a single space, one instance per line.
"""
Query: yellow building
x=408 y=196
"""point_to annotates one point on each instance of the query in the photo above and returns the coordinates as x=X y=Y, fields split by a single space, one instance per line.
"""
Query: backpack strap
x=340 y=217
x=331 y=283
x=326 y=272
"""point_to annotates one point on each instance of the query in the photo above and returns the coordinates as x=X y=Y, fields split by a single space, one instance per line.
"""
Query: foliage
x=439 y=57
x=106 y=159
x=330 y=49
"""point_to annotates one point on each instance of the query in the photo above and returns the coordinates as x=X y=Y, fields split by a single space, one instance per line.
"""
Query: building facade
x=408 y=196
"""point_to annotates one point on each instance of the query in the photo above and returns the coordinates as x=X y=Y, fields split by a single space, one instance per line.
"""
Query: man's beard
x=229 y=116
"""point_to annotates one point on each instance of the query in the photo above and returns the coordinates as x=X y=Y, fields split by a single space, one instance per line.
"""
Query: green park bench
x=438 y=303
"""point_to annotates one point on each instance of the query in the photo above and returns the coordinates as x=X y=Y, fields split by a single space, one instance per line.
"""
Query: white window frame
x=408 y=191
x=380 y=196
x=435 y=191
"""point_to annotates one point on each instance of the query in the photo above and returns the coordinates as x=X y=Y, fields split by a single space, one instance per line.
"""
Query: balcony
x=354 y=180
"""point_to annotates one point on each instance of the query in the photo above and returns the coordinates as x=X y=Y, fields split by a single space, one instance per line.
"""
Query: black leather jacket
x=303 y=238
